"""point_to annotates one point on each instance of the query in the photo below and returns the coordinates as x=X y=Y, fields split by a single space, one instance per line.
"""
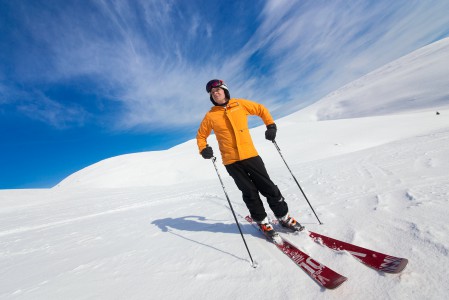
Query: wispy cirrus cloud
x=150 y=60
x=312 y=48
x=53 y=112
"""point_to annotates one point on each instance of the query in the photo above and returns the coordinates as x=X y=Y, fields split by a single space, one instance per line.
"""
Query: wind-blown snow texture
x=372 y=158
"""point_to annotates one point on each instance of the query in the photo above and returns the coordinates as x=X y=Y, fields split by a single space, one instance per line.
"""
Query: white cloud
x=39 y=107
x=154 y=57
x=316 y=47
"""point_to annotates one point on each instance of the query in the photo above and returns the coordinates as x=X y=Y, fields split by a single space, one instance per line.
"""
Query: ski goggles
x=213 y=84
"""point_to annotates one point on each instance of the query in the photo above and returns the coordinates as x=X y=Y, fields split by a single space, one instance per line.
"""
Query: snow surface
x=157 y=225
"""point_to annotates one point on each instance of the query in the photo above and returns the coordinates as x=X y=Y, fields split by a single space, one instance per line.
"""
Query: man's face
x=218 y=95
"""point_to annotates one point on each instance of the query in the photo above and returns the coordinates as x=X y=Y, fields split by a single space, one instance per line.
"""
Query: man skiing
x=228 y=119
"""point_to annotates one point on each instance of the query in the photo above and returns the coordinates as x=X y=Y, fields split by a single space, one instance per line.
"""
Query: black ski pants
x=251 y=177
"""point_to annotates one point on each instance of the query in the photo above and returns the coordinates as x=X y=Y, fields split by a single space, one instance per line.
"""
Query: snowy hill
x=157 y=224
x=415 y=82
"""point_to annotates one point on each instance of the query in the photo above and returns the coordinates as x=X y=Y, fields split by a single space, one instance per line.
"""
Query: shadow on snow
x=200 y=224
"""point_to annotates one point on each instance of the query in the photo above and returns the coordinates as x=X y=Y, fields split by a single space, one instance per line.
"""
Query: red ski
x=323 y=275
x=376 y=260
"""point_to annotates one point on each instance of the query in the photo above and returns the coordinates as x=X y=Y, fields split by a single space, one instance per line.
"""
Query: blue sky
x=81 y=81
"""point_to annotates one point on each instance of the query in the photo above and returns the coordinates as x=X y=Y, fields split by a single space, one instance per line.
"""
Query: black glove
x=270 y=134
x=207 y=152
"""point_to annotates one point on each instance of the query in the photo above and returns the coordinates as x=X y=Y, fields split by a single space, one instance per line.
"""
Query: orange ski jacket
x=230 y=125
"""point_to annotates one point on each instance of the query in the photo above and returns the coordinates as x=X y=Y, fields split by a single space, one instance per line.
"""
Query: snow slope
x=157 y=225
x=417 y=81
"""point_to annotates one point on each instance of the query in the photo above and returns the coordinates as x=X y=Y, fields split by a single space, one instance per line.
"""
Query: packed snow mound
x=155 y=168
x=416 y=81
x=405 y=94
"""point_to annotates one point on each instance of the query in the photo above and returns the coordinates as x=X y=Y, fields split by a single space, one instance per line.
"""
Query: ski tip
x=402 y=263
x=336 y=283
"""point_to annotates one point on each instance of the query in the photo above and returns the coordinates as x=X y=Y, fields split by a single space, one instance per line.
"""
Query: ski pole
x=253 y=264
x=279 y=150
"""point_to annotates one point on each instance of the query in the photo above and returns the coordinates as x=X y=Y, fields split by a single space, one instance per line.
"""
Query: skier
x=228 y=119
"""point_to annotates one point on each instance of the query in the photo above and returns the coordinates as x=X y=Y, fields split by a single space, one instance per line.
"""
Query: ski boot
x=290 y=223
x=268 y=230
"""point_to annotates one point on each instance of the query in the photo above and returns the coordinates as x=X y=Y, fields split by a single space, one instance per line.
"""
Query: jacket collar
x=230 y=104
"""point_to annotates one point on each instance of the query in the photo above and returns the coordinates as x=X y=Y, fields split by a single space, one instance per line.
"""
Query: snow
x=157 y=224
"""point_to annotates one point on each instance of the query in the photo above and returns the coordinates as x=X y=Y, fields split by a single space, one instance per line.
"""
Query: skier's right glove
x=207 y=152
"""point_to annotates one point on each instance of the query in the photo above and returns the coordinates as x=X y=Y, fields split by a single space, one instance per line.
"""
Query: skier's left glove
x=270 y=134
